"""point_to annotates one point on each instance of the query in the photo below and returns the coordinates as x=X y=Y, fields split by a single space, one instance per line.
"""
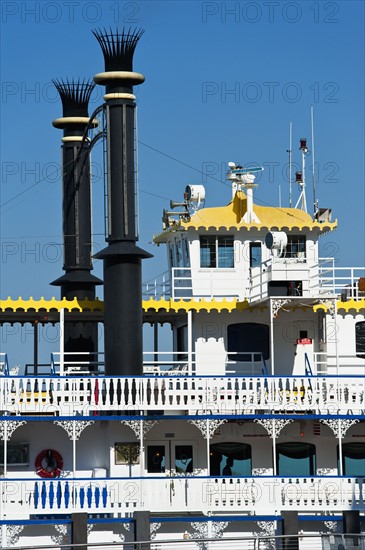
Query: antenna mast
x=315 y=202
x=300 y=177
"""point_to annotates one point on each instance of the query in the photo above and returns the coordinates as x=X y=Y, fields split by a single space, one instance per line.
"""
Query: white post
x=272 y=338
x=5 y=449
x=62 y=341
x=274 y=447
x=141 y=461
x=73 y=448
x=208 y=448
x=340 y=448
x=190 y=342
x=336 y=340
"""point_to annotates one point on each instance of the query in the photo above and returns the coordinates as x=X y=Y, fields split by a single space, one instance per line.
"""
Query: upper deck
x=318 y=281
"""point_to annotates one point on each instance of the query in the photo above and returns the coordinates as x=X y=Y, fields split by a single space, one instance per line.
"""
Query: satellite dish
x=232 y=164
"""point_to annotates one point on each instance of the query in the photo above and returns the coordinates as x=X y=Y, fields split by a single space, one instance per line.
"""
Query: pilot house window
x=296 y=246
x=216 y=251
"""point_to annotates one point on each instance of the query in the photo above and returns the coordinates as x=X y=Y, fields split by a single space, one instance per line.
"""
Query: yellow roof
x=230 y=217
x=270 y=217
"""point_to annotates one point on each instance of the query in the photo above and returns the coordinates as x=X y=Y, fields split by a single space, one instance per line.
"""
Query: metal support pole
x=208 y=446
x=155 y=343
x=272 y=339
x=73 y=449
x=190 y=342
x=35 y=349
x=274 y=447
x=62 y=342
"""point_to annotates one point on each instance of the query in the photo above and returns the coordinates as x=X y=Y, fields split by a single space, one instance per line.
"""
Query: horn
x=174 y=204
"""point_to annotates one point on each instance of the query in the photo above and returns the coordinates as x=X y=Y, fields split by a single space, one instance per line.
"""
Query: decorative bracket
x=8 y=427
x=13 y=533
x=154 y=527
x=339 y=426
x=207 y=427
x=277 y=304
x=274 y=425
x=330 y=304
x=74 y=428
x=140 y=426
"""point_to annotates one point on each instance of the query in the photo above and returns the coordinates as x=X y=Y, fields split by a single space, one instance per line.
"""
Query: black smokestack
x=77 y=282
x=122 y=258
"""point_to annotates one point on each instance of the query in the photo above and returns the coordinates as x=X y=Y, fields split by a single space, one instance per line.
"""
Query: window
x=295 y=459
x=216 y=251
x=184 y=459
x=156 y=459
x=17 y=454
x=296 y=247
x=245 y=339
x=255 y=254
x=353 y=459
x=360 y=339
x=179 y=256
x=171 y=255
x=186 y=253
x=126 y=453
x=230 y=459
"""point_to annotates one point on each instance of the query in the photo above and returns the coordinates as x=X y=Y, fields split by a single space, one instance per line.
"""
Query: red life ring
x=49 y=463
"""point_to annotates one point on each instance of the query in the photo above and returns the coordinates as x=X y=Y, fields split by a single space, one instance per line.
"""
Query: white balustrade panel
x=80 y=395
x=181 y=494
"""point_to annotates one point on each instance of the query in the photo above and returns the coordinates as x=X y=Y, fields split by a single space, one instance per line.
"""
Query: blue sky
x=223 y=82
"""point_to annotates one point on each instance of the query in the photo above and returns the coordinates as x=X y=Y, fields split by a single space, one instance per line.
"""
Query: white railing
x=342 y=281
x=329 y=364
x=21 y=497
x=158 y=287
x=76 y=362
x=159 y=363
x=86 y=395
x=4 y=365
x=323 y=278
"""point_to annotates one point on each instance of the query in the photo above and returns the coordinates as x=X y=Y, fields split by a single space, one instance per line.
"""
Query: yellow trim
x=153 y=305
x=98 y=305
x=194 y=305
x=356 y=305
x=52 y=304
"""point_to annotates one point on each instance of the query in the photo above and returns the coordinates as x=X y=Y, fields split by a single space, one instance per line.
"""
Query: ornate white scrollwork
x=8 y=427
x=202 y=530
x=326 y=472
x=64 y=536
x=13 y=533
x=74 y=428
x=330 y=304
x=154 y=527
x=208 y=427
x=126 y=527
x=267 y=528
x=277 y=304
x=272 y=425
x=332 y=526
x=135 y=425
x=261 y=471
x=342 y=425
